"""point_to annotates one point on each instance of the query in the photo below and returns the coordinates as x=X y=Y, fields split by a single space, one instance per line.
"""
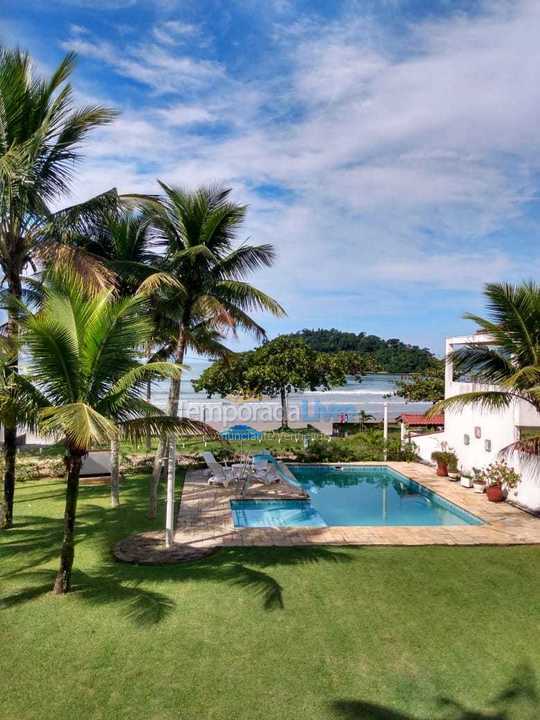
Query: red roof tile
x=414 y=419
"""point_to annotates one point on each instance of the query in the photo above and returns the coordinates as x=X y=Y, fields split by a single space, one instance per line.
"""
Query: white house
x=477 y=435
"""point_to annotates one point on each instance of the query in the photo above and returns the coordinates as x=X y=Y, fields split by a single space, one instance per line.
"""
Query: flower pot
x=495 y=493
x=478 y=487
x=466 y=482
x=442 y=469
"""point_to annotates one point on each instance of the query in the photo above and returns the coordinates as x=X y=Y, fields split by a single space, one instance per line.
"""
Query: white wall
x=426 y=444
x=500 y=427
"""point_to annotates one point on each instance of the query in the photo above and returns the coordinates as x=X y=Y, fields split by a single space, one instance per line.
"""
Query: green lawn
x=288 y=634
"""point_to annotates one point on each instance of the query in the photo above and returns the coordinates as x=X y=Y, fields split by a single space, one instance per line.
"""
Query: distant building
x=477 y=436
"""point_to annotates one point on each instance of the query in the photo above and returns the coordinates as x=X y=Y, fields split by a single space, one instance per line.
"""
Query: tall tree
x=87 y=383
x=509 y=365
x=122 y=241
x=197 y=232
x=41 y=131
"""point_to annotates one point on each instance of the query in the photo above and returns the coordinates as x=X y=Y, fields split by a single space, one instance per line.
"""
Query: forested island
x=393 y=355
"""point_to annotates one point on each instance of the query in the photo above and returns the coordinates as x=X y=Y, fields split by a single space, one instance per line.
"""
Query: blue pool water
x=352 y=496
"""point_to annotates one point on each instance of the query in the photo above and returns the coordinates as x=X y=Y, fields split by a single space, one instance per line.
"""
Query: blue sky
x=389 y=149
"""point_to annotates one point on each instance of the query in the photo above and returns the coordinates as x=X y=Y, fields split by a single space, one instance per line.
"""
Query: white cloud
x=171 y=32
x=397 y=160
x=185 y=114
x=149 y=64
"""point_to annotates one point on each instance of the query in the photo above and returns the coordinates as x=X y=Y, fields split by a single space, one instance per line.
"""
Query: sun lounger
x=220 y=475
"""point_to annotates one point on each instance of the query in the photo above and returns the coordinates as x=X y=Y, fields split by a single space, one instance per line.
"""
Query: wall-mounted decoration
x=477 y=432
x=466 y=439
x=487 y=445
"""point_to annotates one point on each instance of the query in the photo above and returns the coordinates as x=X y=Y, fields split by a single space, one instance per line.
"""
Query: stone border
x=205 y=518
x=205 y=521
x=149 y=549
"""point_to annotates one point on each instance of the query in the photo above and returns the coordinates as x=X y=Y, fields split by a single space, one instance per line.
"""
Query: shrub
x=367 y=446
x=498 y=473
x=445 y=457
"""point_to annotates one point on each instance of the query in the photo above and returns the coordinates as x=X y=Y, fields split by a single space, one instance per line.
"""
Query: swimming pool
x=352 y=496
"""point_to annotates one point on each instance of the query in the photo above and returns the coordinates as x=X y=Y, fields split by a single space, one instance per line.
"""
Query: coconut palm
x=87 y=382
x=364 y=417
x=121 y=240
x=196 y=231
x=510 y=364
x=40 y=135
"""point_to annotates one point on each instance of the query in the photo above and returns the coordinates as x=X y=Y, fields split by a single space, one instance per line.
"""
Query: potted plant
x=479 y=480
x=444 y=460
x=466 y=480
x=500 y=478
x=453 y=472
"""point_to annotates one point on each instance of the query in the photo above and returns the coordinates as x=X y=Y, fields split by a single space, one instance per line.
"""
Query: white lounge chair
x=220 y=475
x=264 y=471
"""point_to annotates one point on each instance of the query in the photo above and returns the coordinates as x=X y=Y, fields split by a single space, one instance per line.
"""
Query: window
x=466 y=439
x=487 y=445
x=477 y=432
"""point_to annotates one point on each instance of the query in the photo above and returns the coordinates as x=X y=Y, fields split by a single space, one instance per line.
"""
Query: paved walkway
x=205 y=518
x=205 y=522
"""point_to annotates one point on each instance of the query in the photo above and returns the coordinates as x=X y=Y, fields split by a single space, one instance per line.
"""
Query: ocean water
x=344 y=402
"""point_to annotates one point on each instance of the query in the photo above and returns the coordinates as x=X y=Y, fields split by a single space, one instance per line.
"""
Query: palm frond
x=247 y=297
x=159 y=280
x=80 y=424
x=138 y=429
x=488 y=399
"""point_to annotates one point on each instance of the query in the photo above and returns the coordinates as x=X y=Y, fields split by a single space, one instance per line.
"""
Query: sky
x=389 y=149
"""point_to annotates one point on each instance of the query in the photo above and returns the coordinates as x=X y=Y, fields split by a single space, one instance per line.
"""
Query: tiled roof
x=413 y=419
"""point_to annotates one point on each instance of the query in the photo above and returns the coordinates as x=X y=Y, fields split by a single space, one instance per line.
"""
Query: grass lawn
x=369 y=634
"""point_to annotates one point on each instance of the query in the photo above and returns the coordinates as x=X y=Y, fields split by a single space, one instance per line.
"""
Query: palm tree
x=364 y=417
x=196 y=231
x=86 y=381
x=40 y=134
x=121 y=240
x=510 y=364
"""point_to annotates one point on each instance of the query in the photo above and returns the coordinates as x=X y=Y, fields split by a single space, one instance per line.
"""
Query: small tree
x=279 y=367
x=426 y=386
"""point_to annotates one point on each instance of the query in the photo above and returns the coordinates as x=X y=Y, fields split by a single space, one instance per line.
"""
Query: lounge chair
x=220 y=475
x=265 y=471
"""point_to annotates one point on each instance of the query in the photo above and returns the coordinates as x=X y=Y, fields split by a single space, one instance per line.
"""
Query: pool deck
x=205 y=518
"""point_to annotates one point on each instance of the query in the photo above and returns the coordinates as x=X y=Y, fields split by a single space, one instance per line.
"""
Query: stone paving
x=205 y=521
x=205 y=518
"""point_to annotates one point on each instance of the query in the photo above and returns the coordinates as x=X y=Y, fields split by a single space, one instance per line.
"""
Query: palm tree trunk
x=62 y=583
x=149 y=398
x=284 y=409
x=115 y=472
x=10 y=427
x=174 y=403
x=171 y=482
x=155 y=478
x=10 y=454
x=163 y=450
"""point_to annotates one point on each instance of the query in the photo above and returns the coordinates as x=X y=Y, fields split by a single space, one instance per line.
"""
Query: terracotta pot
x=442 y=469
x=495 y=493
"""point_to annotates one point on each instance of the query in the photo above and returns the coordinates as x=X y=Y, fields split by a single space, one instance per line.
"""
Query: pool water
x=275 y=513
x=361 y=496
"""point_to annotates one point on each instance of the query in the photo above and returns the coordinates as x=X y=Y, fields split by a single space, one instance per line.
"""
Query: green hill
x=392 y=355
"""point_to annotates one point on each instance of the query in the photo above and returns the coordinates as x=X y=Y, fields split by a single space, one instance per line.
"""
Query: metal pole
x=171 y=478
x=385 y=430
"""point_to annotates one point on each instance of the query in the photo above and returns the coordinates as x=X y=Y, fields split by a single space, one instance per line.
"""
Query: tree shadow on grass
x=519 y=700
x=127 y=585
x=35 y=541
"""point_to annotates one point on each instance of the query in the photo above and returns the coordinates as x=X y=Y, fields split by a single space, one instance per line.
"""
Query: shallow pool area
x=341 y=495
